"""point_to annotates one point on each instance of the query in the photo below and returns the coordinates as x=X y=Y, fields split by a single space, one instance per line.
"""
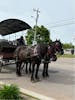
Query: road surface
x=59 y=85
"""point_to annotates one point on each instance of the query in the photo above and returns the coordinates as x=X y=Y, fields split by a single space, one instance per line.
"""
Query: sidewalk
x=30 y=95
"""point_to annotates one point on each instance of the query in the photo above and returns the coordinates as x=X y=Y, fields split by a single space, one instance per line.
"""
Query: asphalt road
x=59 y=85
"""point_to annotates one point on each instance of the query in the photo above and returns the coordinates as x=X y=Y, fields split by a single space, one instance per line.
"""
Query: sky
x=58 y=16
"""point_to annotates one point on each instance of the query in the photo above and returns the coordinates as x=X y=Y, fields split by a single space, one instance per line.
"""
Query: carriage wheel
x=0 y=66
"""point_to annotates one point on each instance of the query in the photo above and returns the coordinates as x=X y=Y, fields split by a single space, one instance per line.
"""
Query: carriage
x=7 y=48
x=33 y=54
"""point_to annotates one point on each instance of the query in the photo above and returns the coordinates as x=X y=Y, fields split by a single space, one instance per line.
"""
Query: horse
x=58 y=48
x=21 y=56
x=35 y=54
x=55 y=47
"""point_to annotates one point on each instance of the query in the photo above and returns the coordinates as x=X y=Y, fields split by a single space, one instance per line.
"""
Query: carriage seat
x=6 y=46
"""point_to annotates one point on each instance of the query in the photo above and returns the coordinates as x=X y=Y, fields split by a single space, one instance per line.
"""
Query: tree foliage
x=42 y=35
x=67 y=45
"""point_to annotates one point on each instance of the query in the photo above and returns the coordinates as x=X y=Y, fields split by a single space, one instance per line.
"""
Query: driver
x=22 y=42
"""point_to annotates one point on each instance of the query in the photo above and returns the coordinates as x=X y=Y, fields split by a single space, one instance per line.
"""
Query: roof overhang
x=11 y=26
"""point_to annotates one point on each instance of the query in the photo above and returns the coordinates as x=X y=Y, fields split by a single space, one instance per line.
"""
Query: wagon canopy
x=10 y=26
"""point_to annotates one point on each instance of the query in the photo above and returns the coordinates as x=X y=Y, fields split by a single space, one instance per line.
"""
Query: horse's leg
x=26 y=67
x=47 y=70
x=37 y=69
x=19 y=68
x=44 y=70
x=17 y=64
x=23 y=64
x=30 y=69
x=33 y=69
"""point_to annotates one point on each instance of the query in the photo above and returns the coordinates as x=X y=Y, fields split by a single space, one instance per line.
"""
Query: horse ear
x=56 y=39
x=59 y=39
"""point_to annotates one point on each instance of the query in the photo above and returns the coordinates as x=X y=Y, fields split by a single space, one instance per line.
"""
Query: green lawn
x=67 y=56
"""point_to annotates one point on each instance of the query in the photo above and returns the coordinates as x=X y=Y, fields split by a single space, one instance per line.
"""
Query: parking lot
x=59 y=85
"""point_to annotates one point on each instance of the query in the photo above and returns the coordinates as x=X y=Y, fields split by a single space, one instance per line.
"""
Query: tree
x=42 y=35
x=68 y=45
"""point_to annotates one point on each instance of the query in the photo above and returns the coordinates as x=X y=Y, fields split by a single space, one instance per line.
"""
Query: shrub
x=9 y=92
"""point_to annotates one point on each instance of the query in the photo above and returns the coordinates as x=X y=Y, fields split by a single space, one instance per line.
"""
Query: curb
x=31 y=93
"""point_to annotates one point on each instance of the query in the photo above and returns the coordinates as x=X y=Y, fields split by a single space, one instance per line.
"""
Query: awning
x=10 y=26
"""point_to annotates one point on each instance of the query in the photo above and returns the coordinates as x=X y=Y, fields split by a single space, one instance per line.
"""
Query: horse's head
x=58 y=47
x=51 y=53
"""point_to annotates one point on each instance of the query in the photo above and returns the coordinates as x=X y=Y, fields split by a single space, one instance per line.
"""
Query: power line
x=62 y=25
x=60 y=21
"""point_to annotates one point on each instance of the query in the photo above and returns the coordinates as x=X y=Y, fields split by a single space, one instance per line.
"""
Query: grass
x=10 y=93
x=67 y=56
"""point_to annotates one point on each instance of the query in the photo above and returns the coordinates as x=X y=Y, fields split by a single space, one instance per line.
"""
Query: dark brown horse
x=35 y=55
x=56 y=47
x=22 y=55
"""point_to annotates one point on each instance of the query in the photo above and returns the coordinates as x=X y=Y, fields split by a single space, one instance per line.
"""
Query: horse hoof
x=26 y=72
x=47 y=75
x=37 y=79
x=33 y=81
x=30 y=71
x=43 y=75
x=18 y=74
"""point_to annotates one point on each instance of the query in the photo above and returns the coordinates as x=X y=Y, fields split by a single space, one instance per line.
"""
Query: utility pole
x=36 y=20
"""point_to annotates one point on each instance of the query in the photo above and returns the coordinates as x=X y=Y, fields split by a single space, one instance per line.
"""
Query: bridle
x=51 y=50
x=57 y=46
